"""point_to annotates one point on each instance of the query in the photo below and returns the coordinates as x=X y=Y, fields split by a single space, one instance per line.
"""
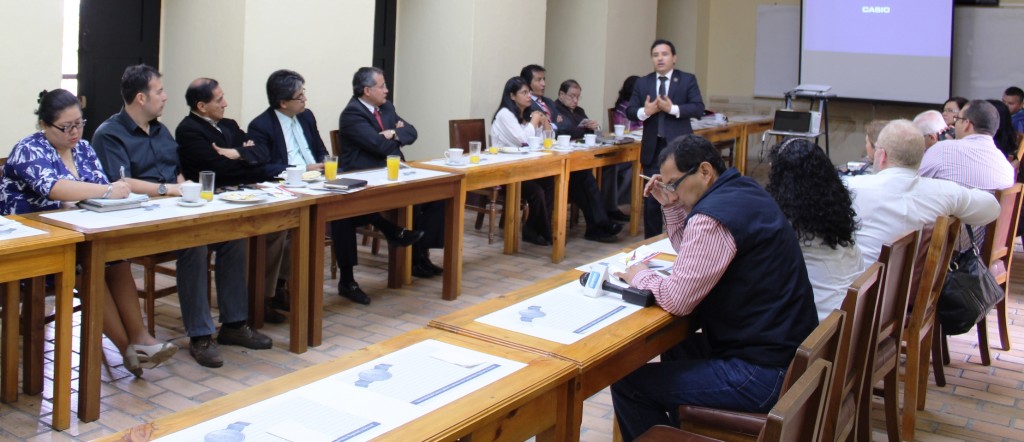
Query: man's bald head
x=902 y=143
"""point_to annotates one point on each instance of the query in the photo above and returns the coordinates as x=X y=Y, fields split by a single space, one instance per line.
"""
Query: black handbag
x=969 y=293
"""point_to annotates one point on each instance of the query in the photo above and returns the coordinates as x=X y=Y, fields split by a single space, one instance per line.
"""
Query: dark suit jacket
x=362 y=145
x=265 y=130
x=571 y=120
x=195 y=137
x=683 y=92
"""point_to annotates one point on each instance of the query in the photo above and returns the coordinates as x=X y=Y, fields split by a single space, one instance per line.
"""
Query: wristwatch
x=162 y=190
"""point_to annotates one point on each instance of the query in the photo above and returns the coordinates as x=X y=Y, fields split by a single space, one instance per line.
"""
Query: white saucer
x=199 y=203
x=294 y=186
x=449 y=163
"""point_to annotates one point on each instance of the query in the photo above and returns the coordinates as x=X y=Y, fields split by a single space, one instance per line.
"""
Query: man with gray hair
x=932 y=126
x=972 y=159
x=896 y=199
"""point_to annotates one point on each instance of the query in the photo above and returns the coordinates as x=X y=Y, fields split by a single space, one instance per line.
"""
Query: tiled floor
x=979 y=403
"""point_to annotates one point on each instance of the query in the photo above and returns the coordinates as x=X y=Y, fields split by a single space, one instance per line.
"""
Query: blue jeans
x=652 y=394
x=232 y=293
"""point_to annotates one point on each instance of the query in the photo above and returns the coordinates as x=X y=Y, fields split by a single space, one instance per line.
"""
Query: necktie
x=376 y=113
x=544 y=107
x=661 y=115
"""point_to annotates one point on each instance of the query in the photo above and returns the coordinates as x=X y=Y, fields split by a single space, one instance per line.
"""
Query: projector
x=797 y=122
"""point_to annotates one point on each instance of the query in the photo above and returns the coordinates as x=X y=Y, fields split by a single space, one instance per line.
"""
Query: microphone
x=632 y=295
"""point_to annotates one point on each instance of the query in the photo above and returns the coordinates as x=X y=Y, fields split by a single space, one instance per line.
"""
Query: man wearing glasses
x=739 y=275
x=972 y=159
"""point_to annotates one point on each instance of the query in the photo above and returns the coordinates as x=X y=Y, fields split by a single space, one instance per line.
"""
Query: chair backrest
x=335 y=144
x=898 y=257
x=611 y=117
x=461 y=132
x=851 y=363
x=797 y=416
x=821 y=344
x=944 y=234
x=999 y=235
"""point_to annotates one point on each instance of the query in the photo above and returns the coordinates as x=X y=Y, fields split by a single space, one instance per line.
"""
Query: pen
x=645 y=177
x=283 y=189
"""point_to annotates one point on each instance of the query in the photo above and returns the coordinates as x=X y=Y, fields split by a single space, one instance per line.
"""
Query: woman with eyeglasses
x=56 y=166
x=951 y=108
x=818 y=205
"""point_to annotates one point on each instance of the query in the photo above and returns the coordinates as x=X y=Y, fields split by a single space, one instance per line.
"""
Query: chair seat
x=659 y=433
x=748 y=424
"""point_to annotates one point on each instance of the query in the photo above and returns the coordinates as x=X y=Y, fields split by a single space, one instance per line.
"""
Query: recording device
x=948 y=134
x=632 y=295
x=594 y=287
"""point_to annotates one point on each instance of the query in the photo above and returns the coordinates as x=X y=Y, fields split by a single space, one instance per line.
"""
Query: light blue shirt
x=298 y=148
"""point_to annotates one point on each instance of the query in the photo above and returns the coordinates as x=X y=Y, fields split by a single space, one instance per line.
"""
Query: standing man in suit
x=583 y=188
x=208 y=141
x=369 y=131
x=287 y=133
x=136 y=146
x=664 y=101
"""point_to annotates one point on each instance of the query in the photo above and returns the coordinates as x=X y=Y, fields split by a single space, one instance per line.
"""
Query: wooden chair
x=370 y=235
x=482 y=201
x=997 y=253
x=918 y=333
x=851 y=363
x=898 y=257
x=822 y=344
x=796 y=417
x=611 y=118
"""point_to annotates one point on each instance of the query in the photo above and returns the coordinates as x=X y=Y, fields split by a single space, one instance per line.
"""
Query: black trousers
x=584 y=193
x=653 y=225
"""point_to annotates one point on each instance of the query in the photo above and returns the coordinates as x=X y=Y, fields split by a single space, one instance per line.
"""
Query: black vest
x=763 y=307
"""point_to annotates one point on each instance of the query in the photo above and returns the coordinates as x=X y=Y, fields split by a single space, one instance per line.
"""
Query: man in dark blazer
x=583 y=190
x=664 y=100
x=287 y=133
x=369 y=130
x=208 y=141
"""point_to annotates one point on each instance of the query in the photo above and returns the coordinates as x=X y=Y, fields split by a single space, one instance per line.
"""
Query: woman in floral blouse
x=55 y=166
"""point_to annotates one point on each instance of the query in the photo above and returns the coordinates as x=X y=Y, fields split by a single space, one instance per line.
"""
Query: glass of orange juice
x=394 y=162
x=330 y=167
x=206 y=182
x=549 y=139
x=474 y=152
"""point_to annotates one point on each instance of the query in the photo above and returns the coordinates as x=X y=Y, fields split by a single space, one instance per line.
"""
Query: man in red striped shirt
x=741 y=278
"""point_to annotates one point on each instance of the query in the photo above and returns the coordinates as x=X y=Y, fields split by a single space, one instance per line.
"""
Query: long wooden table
x=738 y=129
x=601 y=358
x=52 y=253
x=523 y=404
x=400 y=195
x=122 y=242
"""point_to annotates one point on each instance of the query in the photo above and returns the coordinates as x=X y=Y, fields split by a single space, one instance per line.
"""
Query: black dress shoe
x=271 y=315
x=420 y=271
x=535 y=238
x=404 y=238
x=282 y=300
x=604 y=237
x=616 y=215
x=353 y=293
x=613 y=228
x=433 y=268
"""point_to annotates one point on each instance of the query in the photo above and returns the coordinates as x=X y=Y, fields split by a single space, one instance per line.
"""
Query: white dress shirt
x=507 y=132
x=897 y=200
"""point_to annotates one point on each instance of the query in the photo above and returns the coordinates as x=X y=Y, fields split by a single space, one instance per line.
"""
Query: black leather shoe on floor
x=282 y=300
x=353 y=293
x=535 y=238
x=244 y=336
x=405 y=238
x=616 y=215
x=421 y=271
x=433 y=268
x=205 y=352
x=272 y=316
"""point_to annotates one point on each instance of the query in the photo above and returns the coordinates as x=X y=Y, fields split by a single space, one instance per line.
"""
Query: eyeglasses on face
x=957 y=118
x=71 y=126
x=300 y=97
x=671 y=187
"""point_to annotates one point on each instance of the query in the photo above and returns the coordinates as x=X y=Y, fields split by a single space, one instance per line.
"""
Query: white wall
x=32 y=32
x=631 y=31
x=240 y=43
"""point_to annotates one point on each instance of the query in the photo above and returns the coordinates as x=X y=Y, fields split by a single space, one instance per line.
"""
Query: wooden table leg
x=558 y=212
x=301 y=325
x=451 y=283
x=512 y=217
x=741 y=150
x=32 y=324
x=315 y=261
x=91 y=257
x=257 y=267
x=9 y=344
x=64 y=286
x=636 y=204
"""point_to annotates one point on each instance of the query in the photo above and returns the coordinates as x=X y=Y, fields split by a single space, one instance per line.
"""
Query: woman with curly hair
x=817 y=203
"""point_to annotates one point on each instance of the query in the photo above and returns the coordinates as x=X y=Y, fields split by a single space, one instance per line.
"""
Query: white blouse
x=831 y=272
x=506 y=130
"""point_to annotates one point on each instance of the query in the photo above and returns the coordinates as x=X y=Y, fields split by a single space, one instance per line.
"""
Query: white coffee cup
x=620 y=130
x=190 y=192
x=534 y=142
x=454 y=156
x=294 y=175
x=590 y=139
x=563 y=141
x=719 y=118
